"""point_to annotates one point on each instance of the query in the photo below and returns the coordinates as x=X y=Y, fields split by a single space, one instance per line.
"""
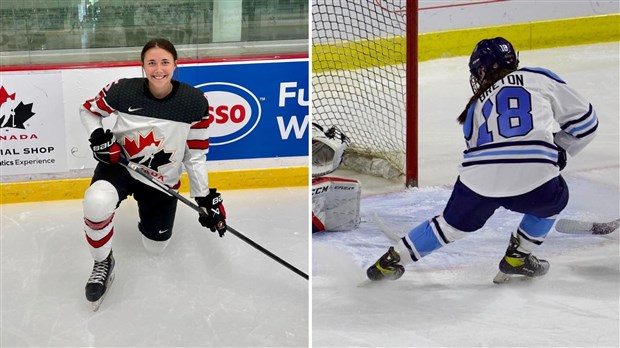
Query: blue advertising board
x=256 y=110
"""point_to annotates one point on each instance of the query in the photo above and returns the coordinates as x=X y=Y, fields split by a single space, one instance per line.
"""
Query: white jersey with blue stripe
x=509 y=132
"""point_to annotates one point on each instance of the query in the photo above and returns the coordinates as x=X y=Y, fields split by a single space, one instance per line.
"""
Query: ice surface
x=202 y=291
x=448 y=299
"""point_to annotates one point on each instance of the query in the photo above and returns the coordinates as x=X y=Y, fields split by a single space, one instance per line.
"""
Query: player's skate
x=517 y=263
x=100 y=281
x=387 y=267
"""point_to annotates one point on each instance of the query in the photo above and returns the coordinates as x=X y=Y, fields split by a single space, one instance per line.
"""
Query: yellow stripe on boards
x=61 y=189
x=453 y=43
x=358 y=54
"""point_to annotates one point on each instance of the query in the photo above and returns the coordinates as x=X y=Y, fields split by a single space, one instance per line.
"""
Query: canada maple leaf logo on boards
x=17 y=116
x=4 y=95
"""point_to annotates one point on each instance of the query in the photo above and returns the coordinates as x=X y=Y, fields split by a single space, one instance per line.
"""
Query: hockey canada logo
x=145 y=151
x=234 y=111
x=13 y=116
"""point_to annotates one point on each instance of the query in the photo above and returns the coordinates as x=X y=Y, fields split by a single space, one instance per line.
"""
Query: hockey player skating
x=161 y=126
x=513 y=160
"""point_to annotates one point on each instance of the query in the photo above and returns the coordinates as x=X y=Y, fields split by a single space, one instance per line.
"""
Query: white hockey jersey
x=509 y=132
x=161 y=135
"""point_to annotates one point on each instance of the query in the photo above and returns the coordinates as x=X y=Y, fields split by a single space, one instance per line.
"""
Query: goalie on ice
x=335 y=201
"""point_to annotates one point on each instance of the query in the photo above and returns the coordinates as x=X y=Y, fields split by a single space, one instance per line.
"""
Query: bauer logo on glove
x=214 y=217
x=217 y=199
x=105 y=148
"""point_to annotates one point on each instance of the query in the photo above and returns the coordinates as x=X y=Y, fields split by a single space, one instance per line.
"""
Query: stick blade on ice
x=605 y=228
x=585 y=227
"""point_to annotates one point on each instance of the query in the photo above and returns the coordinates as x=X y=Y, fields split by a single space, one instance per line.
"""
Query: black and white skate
x=387 y=267
x=100 y=281
x=531 y=268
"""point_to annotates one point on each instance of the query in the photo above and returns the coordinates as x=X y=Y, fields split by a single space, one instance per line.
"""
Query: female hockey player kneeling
x=161 y=127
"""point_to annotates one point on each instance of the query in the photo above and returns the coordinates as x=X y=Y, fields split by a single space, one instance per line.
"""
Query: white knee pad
x=100 y=201
x=154 y=246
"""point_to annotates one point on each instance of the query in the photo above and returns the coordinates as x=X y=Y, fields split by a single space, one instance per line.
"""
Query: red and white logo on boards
x=234 y=111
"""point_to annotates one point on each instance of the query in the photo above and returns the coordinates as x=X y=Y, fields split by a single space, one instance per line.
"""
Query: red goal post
x=364 y=81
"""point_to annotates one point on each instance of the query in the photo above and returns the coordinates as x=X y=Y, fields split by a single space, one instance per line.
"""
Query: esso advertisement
x=256 y=110
x=236 y=114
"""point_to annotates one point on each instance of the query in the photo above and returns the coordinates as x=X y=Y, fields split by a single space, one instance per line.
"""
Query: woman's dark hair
x=486 y=83
x=161 y=43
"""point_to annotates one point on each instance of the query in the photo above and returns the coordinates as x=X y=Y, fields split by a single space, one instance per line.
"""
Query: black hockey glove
x=561 y=157
x=104 y=146
x=215 y=215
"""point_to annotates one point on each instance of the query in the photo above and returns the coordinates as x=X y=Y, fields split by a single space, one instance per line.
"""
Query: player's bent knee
x=154 y=246
x=100 y=201
x=450 y=232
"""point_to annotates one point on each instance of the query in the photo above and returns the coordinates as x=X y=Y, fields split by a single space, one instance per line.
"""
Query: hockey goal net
x=364 y=64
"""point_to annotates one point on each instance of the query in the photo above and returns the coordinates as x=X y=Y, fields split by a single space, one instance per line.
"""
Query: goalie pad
x=335 y=204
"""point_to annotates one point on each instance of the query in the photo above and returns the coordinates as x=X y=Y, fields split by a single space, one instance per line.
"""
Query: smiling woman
x=159 y=60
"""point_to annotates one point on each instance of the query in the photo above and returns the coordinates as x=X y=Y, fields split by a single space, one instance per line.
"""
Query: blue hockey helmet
x=489 y=56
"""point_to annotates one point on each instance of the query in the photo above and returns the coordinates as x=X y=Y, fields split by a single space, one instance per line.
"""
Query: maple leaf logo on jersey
x=18 y=115
x=155 y=160
x=134 y=147
x=145 y=150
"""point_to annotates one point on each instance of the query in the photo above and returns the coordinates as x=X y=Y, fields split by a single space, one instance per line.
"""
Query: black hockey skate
x=100 y=281
x=517 y=263
x=387 y=267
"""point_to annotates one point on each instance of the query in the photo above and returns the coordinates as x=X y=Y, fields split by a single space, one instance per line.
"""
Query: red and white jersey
x=161 y=135
x=509 y=132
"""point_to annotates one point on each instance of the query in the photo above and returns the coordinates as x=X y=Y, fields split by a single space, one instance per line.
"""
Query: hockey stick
x=585 y=227
x=391 y=234
x=568 y=226
x=134 y=167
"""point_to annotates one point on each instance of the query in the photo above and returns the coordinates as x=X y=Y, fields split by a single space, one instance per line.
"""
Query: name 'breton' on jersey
x=509 y=132
x=158 y=134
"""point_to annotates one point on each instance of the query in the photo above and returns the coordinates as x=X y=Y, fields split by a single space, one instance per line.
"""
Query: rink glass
x=83 y=31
